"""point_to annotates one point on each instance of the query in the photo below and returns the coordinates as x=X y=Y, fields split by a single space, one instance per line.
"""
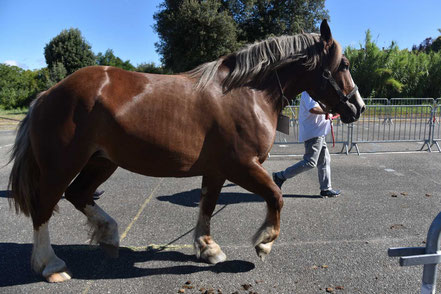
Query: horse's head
x=333 y=86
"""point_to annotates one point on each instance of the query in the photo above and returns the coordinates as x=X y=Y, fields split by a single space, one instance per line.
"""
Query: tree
x=192 y=32
x=151 y=68
x=70 y=49
x=195 y=31
x=259 y=19
x=108 y=58
x=371 y=68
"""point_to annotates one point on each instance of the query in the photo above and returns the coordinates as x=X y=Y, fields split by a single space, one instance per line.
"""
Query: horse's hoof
x=263 y=249
x=220 y=257
x=210 y=252
x=111 y=250
x=58 y=277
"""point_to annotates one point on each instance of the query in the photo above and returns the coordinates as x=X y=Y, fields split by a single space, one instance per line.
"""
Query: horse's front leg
x=204 y=245
x=255 y=179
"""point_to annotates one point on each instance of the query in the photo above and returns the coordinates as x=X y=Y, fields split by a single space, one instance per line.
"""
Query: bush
x=17 y=86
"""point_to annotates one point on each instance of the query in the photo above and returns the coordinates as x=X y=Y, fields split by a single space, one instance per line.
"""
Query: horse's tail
x=23 y=180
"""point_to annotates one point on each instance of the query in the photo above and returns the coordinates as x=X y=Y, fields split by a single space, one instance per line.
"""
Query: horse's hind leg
x=255 y=179
x=43 y=258
x=205 y=246
x=80 y=193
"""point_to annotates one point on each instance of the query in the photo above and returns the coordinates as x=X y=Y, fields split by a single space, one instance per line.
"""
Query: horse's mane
x=255 y=61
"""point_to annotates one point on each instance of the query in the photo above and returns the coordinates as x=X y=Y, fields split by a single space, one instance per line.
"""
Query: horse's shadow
x=88 y=262
x=191 y=198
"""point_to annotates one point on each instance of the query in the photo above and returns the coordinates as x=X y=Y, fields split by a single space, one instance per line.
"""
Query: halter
x=282 y=94
x=327 y=76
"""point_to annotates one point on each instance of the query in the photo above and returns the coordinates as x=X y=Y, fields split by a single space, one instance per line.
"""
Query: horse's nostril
x=363 y=109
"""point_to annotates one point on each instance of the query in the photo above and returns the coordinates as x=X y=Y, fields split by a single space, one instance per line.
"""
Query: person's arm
x=317 y=110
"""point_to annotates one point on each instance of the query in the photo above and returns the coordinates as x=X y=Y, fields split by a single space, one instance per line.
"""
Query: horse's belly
x=155 y=160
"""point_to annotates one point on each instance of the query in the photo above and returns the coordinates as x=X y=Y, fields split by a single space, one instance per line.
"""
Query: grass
x=13 y=114
x=9 y=118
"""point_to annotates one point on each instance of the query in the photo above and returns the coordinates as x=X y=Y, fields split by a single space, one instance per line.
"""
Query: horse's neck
x=284 y=87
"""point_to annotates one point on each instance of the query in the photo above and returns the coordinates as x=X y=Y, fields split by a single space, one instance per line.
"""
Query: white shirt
x=311 y=125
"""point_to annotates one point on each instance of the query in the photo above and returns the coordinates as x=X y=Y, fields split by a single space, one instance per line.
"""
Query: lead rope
x=328 y=116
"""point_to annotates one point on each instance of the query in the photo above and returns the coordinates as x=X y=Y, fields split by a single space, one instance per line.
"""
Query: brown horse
x=218 y=121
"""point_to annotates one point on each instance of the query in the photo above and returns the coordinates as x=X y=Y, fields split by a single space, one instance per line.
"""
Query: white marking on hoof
x=58 y=277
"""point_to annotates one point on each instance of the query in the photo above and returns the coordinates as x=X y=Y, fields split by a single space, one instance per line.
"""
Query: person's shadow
x=88 y=262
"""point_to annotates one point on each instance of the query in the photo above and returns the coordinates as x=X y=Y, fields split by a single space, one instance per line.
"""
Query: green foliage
x=151 y=68
x=192 y=32
x=395 y=73
x=110 y=59
x=17 y=86
x=259 y=19
x=56 y=73
x=195 y=31
x=70 y=49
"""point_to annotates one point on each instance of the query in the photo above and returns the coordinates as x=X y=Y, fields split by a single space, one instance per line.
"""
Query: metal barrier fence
x=436 y=131
x=412 y=101
x=405 y=123
x=384 y=121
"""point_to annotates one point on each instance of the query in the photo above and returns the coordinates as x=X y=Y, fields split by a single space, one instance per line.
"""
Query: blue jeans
x=316 y=155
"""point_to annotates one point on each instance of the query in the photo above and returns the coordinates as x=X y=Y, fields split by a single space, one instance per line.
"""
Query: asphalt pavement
x=326 y=245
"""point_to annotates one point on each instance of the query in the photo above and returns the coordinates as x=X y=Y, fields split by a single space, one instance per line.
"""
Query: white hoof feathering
x=104 y=229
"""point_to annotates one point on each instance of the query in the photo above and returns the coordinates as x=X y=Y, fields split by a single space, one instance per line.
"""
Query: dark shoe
x=97 y=194
x=330 y=193
x=279 y=182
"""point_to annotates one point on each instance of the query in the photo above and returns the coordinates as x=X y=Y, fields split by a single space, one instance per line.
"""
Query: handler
x=313 y=128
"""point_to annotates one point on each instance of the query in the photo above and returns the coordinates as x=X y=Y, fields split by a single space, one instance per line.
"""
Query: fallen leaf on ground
x=396 y=226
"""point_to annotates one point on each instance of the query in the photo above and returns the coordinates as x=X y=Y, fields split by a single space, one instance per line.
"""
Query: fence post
x=431 y=130
x=428 y=256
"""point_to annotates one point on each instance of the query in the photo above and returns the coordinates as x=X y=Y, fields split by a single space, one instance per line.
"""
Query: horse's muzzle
x=350 y=112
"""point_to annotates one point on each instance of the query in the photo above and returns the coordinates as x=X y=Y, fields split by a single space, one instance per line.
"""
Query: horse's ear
x=325 y=33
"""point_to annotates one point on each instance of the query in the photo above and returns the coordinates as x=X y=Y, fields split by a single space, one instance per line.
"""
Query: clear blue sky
x=126 y=25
